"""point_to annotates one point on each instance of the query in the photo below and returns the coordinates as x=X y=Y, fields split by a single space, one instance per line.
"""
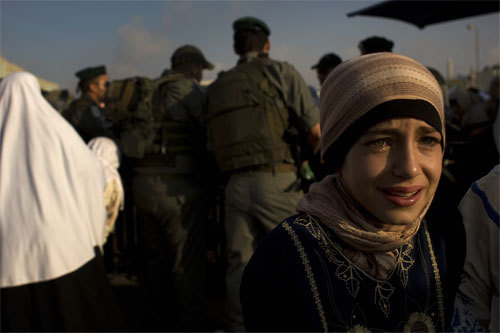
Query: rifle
x=302 y=153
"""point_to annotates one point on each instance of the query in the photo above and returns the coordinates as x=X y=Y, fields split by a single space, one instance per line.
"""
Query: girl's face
x=393 y=169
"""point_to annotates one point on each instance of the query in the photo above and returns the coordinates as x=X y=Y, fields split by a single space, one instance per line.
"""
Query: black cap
x=251 y=23
x=375 y=44
x=91 y=72
x=189 y=53
x=329 y=60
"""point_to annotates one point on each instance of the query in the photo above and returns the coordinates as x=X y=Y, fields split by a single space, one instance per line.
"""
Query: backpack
x=247 y=118
x=135 y=107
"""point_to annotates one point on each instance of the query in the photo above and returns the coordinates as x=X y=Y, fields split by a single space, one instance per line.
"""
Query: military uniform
x=85 y=114
x=263 y=188
x=170 y=198
x=88 y=119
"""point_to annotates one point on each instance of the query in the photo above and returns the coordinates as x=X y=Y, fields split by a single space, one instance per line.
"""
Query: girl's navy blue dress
x=299 y=280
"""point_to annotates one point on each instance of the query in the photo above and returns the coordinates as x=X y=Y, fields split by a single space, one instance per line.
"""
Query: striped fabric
x=358 y=85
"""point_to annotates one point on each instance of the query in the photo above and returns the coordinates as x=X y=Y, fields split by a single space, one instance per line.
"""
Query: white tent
x=7 y=68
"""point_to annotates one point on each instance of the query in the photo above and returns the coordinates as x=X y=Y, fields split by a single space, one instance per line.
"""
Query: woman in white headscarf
x=108 y=154
x=51 y=219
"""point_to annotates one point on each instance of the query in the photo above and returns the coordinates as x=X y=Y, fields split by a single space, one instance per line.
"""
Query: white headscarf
x=51 y=189
x=108 y=154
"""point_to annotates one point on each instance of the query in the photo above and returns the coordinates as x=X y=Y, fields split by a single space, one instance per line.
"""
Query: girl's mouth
x=403 y=196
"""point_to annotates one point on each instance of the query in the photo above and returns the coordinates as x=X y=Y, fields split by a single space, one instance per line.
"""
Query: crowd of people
x=371 y=207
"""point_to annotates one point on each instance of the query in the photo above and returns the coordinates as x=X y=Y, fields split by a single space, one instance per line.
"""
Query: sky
x=54 y=39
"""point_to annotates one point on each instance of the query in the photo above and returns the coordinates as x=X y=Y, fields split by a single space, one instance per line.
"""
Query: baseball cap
x=189 y=53
x=329 y=60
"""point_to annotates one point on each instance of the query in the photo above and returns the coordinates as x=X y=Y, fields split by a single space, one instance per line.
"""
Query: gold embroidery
x=303 y=220
x=347 y=272
x=358 y=329
x=309 y=274
x=406 y=263
x=439 y=289
x=384 y=290
x=419 y=322
x=317 y=232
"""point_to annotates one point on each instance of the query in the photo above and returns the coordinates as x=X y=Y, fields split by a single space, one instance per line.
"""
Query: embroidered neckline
x=350 y=273
x=309 y=274
x=327 y=243
x=437 y=277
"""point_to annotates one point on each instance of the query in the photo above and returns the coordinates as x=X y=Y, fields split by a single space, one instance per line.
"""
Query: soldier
x=170 y=198
x=325 y=65
x=250 y=109
x=86 y=114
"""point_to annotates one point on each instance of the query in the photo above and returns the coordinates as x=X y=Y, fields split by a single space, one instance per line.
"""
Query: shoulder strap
x=168 y=78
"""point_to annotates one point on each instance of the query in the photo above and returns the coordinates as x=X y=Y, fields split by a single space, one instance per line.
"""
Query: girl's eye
x=379 y=143
x=430 y=141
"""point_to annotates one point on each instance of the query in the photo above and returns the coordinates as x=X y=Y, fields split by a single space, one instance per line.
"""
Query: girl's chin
x=399 y=219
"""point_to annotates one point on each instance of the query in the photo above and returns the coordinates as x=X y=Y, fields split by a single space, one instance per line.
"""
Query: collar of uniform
x=249 y=56
x=168 y=72
x=89 y=100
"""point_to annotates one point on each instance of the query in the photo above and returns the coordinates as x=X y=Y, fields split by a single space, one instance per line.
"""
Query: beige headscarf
x=351 y=90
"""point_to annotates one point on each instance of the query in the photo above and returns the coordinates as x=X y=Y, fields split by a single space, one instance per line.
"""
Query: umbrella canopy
x=423 y=13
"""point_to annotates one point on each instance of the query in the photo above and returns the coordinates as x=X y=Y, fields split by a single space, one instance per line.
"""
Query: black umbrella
x=423 y=13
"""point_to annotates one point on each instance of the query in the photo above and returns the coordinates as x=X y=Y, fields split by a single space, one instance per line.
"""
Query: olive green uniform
x=259 y=196
x=170 y=199
x=88 y=119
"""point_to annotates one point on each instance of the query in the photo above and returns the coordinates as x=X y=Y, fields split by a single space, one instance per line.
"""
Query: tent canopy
x=424 y=13
x=7 y=68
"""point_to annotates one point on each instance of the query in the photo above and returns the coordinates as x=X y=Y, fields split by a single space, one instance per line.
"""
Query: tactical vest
x=247 y=118
x=136 y=105
x=179 y=137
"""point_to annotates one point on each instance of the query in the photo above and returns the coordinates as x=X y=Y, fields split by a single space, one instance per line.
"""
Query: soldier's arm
x=313 y=137
x=300 y=99
x=185 y=100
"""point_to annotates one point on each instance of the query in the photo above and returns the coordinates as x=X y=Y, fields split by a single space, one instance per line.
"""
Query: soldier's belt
x=155 y=160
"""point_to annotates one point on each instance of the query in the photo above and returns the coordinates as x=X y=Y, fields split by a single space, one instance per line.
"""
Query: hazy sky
x=54 y=39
